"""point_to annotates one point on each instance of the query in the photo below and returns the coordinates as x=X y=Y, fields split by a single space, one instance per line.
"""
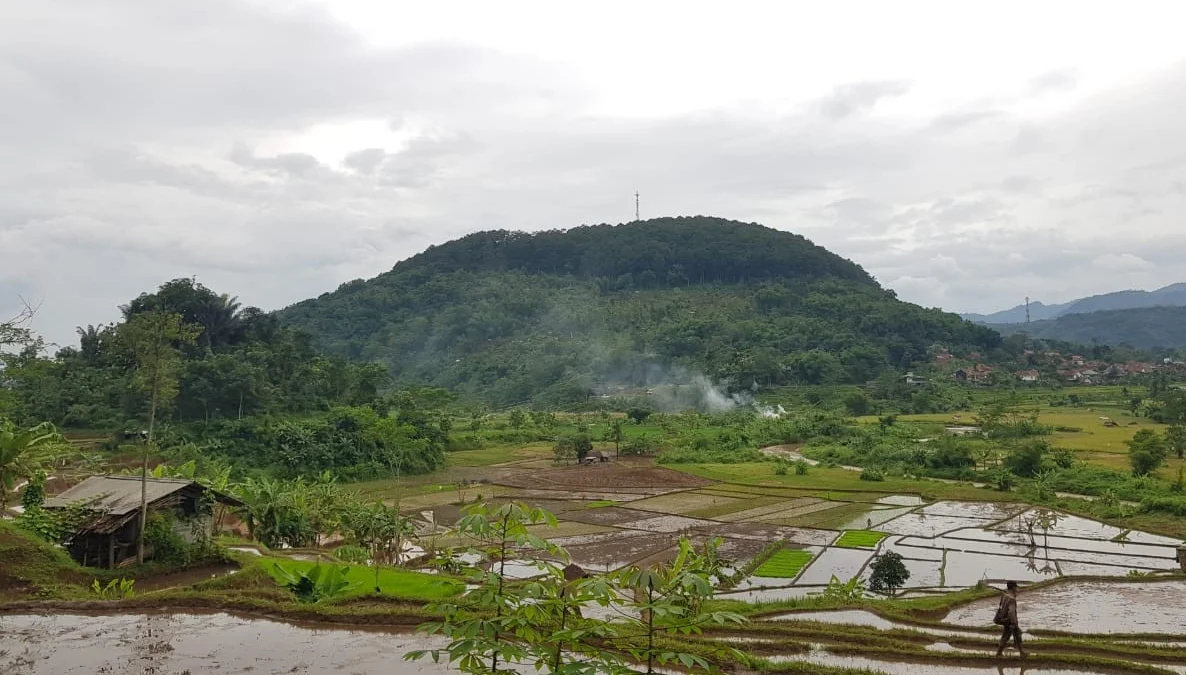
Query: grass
x=499 y=454
x=761 y=474
x=601 y=504
x=859 y=539
x=392 y=581
x=786 y=564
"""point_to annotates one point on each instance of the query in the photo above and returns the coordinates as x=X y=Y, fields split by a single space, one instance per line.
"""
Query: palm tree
x=25 y=451
x=220 y=320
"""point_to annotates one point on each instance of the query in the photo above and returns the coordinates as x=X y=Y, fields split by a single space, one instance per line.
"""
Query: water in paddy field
x=1091 y=607
x=1006 y=667
x=174 y=644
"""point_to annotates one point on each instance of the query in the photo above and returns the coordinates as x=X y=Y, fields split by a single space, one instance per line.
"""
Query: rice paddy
x=785 y=564
x=860 y=539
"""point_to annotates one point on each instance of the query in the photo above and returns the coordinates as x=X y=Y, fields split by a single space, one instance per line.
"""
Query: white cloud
x=1122 y=262
x=274 y=151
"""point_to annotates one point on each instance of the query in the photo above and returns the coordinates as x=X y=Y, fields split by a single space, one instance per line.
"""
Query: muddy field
x=616 y=474
x=176 y=644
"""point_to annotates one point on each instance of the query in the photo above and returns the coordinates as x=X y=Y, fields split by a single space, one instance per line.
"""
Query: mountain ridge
x=1173 y=295
x=1160 y=326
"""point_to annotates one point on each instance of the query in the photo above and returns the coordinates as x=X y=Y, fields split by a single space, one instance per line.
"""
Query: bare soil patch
x=769 y=533
x=667 y=524
x=607 y=515
x=608 y=475
x=683 y=503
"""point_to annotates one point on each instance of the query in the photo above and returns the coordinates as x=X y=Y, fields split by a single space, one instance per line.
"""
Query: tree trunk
x=144 y=472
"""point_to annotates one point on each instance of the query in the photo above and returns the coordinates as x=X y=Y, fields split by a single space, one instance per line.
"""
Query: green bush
x=872 y=474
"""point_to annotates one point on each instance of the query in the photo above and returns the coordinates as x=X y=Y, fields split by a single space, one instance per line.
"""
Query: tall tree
x=153 y=340
x=1146 y=451
x=1175 y=437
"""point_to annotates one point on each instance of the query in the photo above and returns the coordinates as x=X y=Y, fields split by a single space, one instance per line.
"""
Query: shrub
x=638 y=415
x=1063 y=458
x=1146 y=451
x=352 y=554
x=800 y=468
x=780 y=468
x=1003 y=480
x=872 y=474
x=643 y=445
x=167 y=545
x=116 y=589
x=1027 y=459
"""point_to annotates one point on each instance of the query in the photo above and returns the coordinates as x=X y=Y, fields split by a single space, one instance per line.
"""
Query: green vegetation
x=888 y=573
x=1144 y=327
x=549 y=317
x=859 y=539
x=359 y=580
x=786 y=563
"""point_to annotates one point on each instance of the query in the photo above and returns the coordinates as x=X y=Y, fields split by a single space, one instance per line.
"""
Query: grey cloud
x=953 y=121
x=365 y=161
x=849 y=99
x=423 y=160
x=291 y=163
x=115 y=167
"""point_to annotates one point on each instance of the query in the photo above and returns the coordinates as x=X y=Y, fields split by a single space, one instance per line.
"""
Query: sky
x=966 y=154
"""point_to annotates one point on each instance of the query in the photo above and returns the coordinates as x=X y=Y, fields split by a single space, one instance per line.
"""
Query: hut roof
x=573 y=571
x=115 y=499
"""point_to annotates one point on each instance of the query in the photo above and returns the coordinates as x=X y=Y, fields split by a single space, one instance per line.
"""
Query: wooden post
x=1182 y=557
x=111 y=551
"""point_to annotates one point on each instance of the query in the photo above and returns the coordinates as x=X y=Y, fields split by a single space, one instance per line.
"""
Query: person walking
x=1006 y=617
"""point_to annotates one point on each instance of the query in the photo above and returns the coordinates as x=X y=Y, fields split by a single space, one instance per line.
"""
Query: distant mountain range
x=1140 y=327
x=1173 y=295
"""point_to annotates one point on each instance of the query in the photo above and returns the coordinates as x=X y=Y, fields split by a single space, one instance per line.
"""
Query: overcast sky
x=966 y=157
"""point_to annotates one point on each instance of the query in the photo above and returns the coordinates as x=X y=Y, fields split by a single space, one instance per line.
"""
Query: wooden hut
x=108 y=536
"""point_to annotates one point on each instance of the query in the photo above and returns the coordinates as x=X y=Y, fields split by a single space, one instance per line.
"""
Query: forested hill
x=551 y=316
x=1143 y=328
x=661 y=252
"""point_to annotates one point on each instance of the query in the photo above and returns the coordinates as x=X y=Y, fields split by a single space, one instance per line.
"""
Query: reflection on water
x=175 y=644
x=897 y=668
x=1090 y=607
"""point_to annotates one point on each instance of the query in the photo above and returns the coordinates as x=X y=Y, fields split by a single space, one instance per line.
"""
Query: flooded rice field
x=843 y=563
x=175 y=644
x=825 y=658
x=1091 y=607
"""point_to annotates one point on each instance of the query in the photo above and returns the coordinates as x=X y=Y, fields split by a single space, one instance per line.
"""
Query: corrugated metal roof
x=116 y=495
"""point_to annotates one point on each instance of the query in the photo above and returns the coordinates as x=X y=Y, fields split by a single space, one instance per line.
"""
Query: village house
x=109 y=536
x=1028 y=375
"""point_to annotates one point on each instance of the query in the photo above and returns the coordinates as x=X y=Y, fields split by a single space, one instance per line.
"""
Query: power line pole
x=1027 y=311
x=636 y=218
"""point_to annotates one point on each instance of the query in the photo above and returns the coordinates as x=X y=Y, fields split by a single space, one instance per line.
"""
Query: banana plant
x=25 y=451
x=317 y=583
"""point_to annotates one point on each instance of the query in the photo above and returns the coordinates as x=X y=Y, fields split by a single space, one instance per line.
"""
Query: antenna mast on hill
x=1027 y=311
x=636 y=218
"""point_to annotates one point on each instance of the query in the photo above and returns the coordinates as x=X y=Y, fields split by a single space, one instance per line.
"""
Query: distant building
x=1028 y=375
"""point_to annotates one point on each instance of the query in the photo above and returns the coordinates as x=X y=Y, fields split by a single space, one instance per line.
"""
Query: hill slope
x=511 y=316
x=1144 y=328
x=1173 y=295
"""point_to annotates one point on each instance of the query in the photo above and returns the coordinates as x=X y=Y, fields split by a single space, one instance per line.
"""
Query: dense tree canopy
x=241 y=363
x=551 y=316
